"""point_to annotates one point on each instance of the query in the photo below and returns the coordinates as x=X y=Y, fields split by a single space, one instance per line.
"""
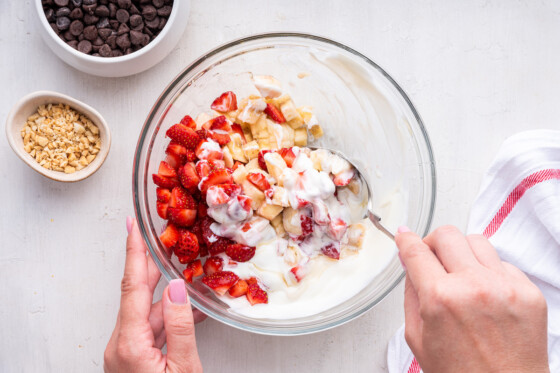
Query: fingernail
x=178 y=291
x=402 y=263
x=403 y=229
x=128 y=224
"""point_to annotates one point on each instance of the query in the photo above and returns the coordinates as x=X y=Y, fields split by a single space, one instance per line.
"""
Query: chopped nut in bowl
x=58 y=136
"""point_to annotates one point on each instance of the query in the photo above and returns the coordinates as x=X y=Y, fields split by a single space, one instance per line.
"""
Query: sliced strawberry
x=196 y=266
x=221 y=138
x=188 y=274
x=178 y=150
x=236 y=165
x=301 y=202
x=203 y=168
x=202 y=210
x=231 y=190
x=216 y=196
x=184 y=136
x=299 y=272
x=170 y=236
x=226 y=102
x=204 y=134
x=161 y=208
x=256 y=295
x=221 y=281
x=189 y=122
x=216 y=177
x=188 y=176
x=186 y=259
x=181 y=199
x=174 y=160
x=207 y=234
x=332 y=250
x=212 y=265
x=251 y=281
x=166 y=170
x=336 y=229
x=259 y=180
x=219 y=246
x=288 y=155
x=236 y=128
x=209 y=150
x=262 y=163
x=197 y=230
x=239 y=289
x=245 y=202
x=274 y=113
x=343 y=178
x=181 y=217
x=218 y=124
x=187 y=246
x=306 y=225
x=240 y=253
x=163 y=195
x=203 y=250
x=165 y=182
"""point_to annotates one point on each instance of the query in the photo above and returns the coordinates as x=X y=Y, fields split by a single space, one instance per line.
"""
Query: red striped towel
x=518 y=210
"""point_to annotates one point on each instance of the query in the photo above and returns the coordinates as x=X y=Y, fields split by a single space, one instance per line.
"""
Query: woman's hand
x=142 y=327
x=466 y=310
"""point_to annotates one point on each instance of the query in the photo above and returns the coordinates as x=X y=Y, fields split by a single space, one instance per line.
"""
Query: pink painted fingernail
x=402 y=263
x=403 y=229
x=178 y=291
x=128 y=224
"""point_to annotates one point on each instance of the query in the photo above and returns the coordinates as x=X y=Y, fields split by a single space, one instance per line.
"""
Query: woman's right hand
x=466 y=310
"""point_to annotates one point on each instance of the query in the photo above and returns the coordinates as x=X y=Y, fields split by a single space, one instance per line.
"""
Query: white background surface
x=477 y=71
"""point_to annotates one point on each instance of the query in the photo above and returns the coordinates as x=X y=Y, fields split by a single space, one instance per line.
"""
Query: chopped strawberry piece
x=288 y=155
x=236 y=128
x=336 y=229
x=259 y=180
x=299 y=272
x=301 y=202
x=256 y=295
x=196 y=267
x=217 y=164
x=188 y=176
x=165 y=182
x=216 y=196
x=203 y=250
x=343 y=178
x=186 y=259
x=239 y=289
x=181 y=217
x=209 y=150
x=212 y=265
x=170 y=236
x=219 y=246
x=189 y=122
x=332 y=250
x=204 y=134
x=188 y=274
x=240 y=253
x=221 y=281
x=218 y=124
x=174 y=160
x=202 y=210
x=226 y=102
x=207 y=234
x=306 y=225
x=246 y=227
x=231 y=190
x=221 y=138
x=197 y=230
x=252 y=280
x=245 y=202
x=203 y=168
x=161 y=208
x=181 y=199
x=163 y=195
x=216 y=177
x=183 y=135
x=274 y=113
x=187 y=246
x=262 y=163
x=166 y=170
x=236 y=165
x=178 y=151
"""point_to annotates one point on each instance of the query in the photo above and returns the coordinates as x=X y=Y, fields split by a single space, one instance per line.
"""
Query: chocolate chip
x=68 y=36
x=90 y=2
x=114 y=24
x=90 y=19
x=157 y=3
x=90 y=33
x=98 y=42
x=148 y=32
x=112 y=41
x=164 y=11
x=46 y=2
x=112 y=10
x=124 y=4
x=96 y=55
x=103 y=23
x=63 y=23
x=89 y=9
x=143 y=2
x=133 y=10
x=162 y=23
x=55 y=28
x=135 y=20
x=122 y=16
x=77 y=3
x=104 y=33
x=73 y=44
x=117 y=53
x=149 y=12
x=103 y=2
x=105 y=51
x=77 y=14
x=49 y=13
x=85 y=46
x=63 y=12
x=128 y=51
x=61 y=2
x=76 y=28
x=123 y=29
x=123 y=41
x=136 y=37
x=102 y=11
x=153 y=24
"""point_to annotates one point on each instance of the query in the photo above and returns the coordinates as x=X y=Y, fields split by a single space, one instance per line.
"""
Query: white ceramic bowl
x=126 y=65
x=28 y=105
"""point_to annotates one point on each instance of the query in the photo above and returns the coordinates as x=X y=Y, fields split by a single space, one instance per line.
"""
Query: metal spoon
x=375 y=219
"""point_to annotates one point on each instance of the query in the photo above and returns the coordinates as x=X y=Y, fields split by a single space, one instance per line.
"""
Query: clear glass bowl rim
x=171 y=86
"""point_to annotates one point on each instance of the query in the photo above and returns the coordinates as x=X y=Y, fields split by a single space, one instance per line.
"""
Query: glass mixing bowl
x=364 y=114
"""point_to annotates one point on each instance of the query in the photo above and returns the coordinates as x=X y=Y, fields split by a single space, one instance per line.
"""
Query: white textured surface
x=477 y=71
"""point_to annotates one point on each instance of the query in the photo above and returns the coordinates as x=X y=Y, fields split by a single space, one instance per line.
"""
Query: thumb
x=182 y=355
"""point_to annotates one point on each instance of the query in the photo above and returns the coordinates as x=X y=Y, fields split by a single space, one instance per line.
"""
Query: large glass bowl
x=364 y=114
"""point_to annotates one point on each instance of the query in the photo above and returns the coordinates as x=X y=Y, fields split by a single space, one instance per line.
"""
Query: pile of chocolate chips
x=107 y=28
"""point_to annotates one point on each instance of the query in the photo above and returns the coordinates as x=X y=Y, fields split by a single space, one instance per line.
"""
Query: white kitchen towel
x=518 y=210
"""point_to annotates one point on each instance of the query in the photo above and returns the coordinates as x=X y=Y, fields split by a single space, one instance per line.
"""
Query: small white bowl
x=28 y=105
x=130 y=64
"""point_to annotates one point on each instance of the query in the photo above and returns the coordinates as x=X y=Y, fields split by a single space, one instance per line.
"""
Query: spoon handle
x=376 y=220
